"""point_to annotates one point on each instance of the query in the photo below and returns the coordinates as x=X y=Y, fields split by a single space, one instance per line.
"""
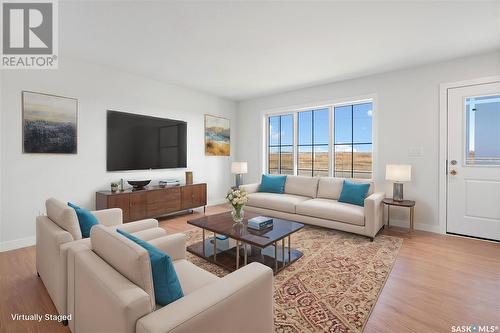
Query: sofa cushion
x=300 y=185
x=165 y=281
x=332 y=210
x=125 y=256
x=274 y=201
x=330 y=187
x=192 y=277
x=64 y=216
x=272 y=184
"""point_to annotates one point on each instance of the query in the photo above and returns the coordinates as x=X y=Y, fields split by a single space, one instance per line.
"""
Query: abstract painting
x=217 y=136
x=49 y=123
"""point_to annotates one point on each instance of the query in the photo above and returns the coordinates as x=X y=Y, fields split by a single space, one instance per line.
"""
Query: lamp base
x=239 y=178
x=397 y=192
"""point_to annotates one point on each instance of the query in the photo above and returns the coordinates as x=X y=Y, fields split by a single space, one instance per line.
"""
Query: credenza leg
x=204 y=209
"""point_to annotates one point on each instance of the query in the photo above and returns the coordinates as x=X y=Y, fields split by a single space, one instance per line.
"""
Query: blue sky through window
x=353 y=125
x=346 y=129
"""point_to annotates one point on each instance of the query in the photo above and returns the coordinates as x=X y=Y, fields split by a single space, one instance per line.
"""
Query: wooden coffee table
x=245 y=245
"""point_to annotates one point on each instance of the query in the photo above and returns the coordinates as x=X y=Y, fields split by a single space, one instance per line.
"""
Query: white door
x=473 y=202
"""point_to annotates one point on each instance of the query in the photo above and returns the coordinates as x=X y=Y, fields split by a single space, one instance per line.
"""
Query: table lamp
x=239 y=168
x=398 y=173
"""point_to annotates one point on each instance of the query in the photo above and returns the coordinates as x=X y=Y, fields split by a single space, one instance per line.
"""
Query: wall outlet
x=415 y=152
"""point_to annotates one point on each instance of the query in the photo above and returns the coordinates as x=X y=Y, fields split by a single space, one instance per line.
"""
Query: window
x=313 y=141
x=332 y=140
x=352 y=146
x=280 y=144
x=483 y=136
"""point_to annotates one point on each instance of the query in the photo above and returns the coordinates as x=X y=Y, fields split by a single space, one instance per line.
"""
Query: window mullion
x=331 y=155
x=312 y=143
x=352 y=141
x=295 y=149
x=279 y=146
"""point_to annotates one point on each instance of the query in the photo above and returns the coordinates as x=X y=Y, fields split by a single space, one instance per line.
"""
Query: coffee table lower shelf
x=226 y=258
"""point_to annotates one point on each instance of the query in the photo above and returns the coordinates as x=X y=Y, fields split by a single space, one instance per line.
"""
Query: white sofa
x=314 y=200
x=59 y=230
x=110 y=289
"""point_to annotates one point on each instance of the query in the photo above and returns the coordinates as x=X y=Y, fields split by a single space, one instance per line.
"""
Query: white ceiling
x=240 y=50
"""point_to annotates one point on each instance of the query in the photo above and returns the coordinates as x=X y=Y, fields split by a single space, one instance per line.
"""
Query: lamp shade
x=239 y=167
x=398 y=172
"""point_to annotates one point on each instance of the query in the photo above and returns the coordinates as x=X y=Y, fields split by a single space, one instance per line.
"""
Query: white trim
x=17 y=243
x=443 y=140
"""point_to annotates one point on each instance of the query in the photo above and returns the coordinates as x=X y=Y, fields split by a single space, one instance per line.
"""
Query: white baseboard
x=17 y=243
x=418 y=226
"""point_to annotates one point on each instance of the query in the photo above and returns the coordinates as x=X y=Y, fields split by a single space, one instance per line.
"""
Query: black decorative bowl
x=138 y=184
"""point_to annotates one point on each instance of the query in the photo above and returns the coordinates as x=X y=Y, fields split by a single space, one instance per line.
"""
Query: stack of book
x=260 y=222
x=169 y=182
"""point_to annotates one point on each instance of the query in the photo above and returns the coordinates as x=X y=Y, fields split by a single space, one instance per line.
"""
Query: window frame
x=330 y=105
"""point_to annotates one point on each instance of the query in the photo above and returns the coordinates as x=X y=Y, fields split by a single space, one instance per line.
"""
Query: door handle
x=453 y=172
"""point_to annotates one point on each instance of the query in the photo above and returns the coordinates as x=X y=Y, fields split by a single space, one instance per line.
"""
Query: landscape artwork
x=217 y=136
x=49 y=123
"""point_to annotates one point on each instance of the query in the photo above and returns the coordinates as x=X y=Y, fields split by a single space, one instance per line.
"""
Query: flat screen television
x=137 y=142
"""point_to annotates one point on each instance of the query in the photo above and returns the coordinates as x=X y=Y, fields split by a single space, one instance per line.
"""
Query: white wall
x=29 y=179
x=407 y=117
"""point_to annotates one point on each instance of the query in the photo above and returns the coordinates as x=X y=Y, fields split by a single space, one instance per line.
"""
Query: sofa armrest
x=49 y=238
x=139 y=225
x=109 y=217
x=100 y=299
x=173 y=245
x=374 y=213
x=239 y=302
x=250 y=188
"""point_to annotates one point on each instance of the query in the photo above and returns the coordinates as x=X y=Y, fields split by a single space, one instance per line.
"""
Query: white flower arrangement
x=237 y=198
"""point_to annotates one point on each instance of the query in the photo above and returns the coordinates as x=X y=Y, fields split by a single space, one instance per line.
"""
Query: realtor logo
x=29 y=34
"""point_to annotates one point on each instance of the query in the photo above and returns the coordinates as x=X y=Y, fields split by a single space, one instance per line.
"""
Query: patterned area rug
x=335 y=284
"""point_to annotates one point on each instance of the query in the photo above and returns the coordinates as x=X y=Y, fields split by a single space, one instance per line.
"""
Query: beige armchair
x=59 y=230
x=111 y=290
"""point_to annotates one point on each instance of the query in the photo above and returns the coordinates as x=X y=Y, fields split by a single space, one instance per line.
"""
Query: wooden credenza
x=153 y=201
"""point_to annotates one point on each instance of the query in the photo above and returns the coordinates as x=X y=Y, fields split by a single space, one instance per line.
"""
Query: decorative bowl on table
x=138 y=184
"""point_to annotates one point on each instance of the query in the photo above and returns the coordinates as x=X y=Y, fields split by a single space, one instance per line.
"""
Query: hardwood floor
x=437 y=281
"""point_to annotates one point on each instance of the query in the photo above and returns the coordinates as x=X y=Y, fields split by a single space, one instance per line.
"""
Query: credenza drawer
x=163 y=201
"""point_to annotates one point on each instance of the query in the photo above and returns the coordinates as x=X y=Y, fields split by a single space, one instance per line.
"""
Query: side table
x=405 y=203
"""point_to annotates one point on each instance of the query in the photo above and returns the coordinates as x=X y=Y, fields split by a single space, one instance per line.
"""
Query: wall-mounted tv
x=137 y=142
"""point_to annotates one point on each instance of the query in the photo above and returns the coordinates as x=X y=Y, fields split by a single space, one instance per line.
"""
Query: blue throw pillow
x=272 y=184
x=354 y=193
x=165 y=282
x=85 y=218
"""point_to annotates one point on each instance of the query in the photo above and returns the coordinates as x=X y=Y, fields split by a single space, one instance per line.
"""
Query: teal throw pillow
x=354 y=193
x=85 y=218
x=165 y=282
x=272 y=184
